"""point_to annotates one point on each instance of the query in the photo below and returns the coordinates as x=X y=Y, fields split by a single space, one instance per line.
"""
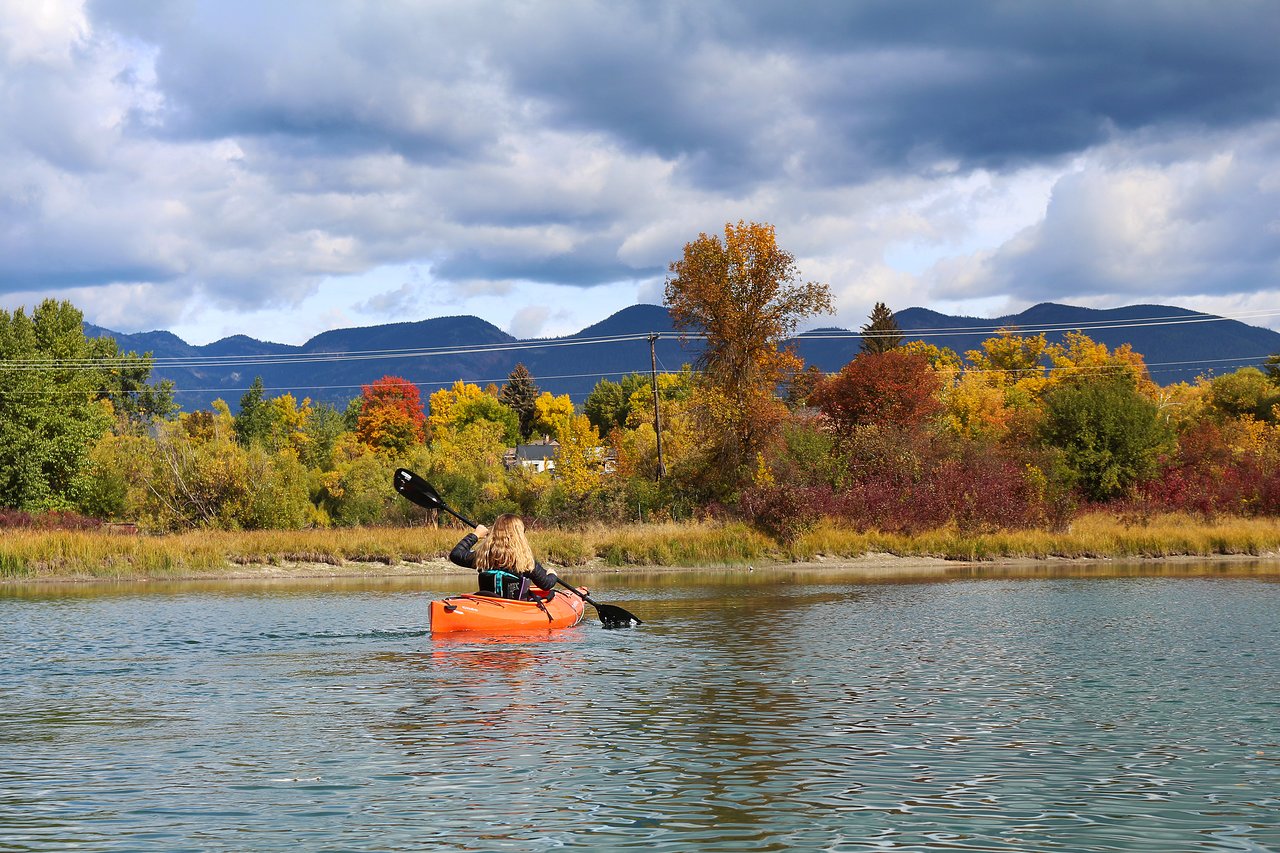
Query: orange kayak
x=478 y=612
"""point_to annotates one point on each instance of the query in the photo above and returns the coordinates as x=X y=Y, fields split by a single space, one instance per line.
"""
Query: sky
x=278 y=169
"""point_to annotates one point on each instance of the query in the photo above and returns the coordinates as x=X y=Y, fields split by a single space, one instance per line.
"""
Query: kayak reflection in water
x=503 y=559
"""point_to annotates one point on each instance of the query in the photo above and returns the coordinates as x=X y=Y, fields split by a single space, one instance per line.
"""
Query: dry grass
x=1096 y=536
x=62 y=554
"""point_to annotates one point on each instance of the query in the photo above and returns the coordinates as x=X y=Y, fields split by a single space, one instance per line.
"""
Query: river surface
x=753 y=711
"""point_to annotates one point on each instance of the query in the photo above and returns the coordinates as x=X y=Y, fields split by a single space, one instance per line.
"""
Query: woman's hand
x=481 y=531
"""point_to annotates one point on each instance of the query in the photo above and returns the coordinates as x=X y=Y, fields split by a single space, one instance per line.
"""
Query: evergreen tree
x=882 y=332
x=520 y=394
x=253 y=424
x=1272 y=367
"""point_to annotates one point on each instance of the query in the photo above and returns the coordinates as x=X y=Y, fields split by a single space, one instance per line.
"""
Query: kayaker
x=503 y=559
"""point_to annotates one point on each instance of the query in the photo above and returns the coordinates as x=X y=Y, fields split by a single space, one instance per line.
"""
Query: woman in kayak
x=503 y=559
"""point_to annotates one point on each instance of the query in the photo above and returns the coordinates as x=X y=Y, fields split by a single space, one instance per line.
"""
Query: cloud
x=1129 y=224
x=529 y=321
x=236 y=156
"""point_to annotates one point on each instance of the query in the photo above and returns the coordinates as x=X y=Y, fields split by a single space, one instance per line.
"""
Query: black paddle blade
x=612 y=616
x=416 y=489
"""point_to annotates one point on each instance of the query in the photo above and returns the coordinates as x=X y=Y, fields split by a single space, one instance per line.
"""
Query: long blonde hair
x=505 y=547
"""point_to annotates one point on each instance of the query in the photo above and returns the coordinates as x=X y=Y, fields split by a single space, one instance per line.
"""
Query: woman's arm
x=462 y=554
x=543 y=578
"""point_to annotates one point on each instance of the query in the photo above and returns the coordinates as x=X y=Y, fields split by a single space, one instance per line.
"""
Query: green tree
x=486 y=408
x=881 y=333
x=55 y=389
x=610 y=404
x=742 y=293
x=1247 y=391
x=605 y=406
x=323 y=426
x=520 y=394
x=253 y=423
x=1111 y=436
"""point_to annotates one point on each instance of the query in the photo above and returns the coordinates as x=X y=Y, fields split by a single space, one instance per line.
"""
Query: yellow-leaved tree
x=580 y=459
x=551 y=412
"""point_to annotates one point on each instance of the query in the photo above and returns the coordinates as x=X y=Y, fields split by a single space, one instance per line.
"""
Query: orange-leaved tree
x=888 y=387
x=391 y=416
x=743 y=293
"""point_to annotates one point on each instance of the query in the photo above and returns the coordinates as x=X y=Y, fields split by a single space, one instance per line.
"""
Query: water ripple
x=1096 y=715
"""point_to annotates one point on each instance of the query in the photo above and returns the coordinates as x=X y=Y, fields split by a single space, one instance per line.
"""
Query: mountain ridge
x=431 y=352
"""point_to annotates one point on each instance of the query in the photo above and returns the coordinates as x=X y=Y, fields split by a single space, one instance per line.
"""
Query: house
x=538 y=455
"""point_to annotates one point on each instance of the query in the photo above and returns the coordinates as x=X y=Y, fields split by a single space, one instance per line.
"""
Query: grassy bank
x=32 y=554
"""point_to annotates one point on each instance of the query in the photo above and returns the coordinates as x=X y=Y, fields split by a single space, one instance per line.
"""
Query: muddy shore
x=876 y=566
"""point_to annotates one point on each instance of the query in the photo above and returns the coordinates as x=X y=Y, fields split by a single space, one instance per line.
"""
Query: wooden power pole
x=657 y=420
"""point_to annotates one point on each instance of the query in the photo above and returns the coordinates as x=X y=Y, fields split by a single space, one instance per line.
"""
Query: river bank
x=78 y=555
x=35 y=555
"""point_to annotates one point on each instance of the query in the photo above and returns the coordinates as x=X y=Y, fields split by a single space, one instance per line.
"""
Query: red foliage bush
x=1205 y=477
x=887 y=388
x=908 y=481
x=782 y=511
x=52 y=520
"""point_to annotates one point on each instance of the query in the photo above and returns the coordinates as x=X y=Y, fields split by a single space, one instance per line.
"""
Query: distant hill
x=427 y=352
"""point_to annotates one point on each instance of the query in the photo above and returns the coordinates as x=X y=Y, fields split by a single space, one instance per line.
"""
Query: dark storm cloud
x=580 y=266
x=342 y=78
x=736 y=93
x=869 y=86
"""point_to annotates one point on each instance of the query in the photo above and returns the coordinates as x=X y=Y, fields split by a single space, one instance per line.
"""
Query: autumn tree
x=456 y=408
x=881 y=333
x=552 y=412
x=579 y=460
x=889 y=387
x=744 y=295
x=391 y=416
x=801 y=385
x=1080 y=355
x=520 y=394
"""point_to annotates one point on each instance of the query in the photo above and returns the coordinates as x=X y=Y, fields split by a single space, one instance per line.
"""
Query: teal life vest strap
x=497 y=580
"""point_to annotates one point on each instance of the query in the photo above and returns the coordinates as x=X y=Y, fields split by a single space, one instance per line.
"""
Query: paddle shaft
x=468 y=522
x=577 y=592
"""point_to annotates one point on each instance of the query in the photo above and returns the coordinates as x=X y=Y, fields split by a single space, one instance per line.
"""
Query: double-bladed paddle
x=419 y=491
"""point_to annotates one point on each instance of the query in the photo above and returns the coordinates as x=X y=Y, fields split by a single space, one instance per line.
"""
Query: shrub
x=51 y=520
x=781 y=510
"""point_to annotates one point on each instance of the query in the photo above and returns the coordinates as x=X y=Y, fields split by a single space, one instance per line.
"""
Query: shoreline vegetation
x=60 y=555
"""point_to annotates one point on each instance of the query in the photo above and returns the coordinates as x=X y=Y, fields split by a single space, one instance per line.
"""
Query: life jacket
x=503 y=583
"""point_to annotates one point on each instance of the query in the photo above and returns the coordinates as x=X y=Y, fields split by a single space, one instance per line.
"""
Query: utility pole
x=657 y=421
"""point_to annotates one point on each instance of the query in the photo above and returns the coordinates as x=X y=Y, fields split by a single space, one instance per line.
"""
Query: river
x=770 y=710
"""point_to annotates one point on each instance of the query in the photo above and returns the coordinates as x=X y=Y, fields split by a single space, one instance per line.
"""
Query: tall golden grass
x=59 y=554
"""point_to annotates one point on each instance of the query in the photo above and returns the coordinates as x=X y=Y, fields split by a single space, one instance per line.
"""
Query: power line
x=231 y=361
x=228 y=361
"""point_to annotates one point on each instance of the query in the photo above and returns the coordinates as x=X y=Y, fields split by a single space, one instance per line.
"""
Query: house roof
x=532 y=452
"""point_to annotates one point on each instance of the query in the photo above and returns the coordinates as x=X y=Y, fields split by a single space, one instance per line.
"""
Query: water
x=785 y=711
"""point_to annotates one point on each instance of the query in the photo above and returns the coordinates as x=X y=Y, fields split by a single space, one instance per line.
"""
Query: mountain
x=1178 y=345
